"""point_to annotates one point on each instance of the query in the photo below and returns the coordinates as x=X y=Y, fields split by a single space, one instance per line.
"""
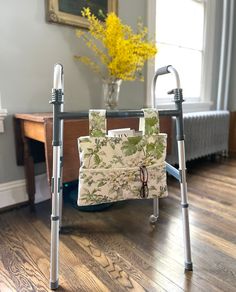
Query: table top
x=34 y=117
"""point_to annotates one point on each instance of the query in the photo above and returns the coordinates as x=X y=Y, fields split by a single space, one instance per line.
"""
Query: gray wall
x=29 y=47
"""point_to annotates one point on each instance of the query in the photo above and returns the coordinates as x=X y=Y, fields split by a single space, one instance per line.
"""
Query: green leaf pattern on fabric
x=97 y=123
x=107 y=185
x=107 y=152
x=150 y=123
x=110 y=166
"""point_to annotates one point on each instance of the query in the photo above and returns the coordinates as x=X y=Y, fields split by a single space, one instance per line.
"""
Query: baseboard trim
x=13 y=207
x=14 y=192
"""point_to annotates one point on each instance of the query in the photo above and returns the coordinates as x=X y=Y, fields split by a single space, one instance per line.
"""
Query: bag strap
x=97 y=123
x=149 y=124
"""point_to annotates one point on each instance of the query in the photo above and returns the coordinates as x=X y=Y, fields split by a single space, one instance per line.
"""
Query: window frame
x=3 y=114
x=191 y=104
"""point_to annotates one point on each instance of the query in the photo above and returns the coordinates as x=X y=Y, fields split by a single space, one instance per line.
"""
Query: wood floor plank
x=121 y=265
x=166 y=251
x=88 y=278
x=130 y=232
x=172 y=246
x=126 y=251
x=123 y=252
x=23 y=271
x=83 y=273
x=70 y=259
x=117 y=250
x=213 y=188
x=6 y=283
x=114 y=270
x=213 y=207
x=214 y=218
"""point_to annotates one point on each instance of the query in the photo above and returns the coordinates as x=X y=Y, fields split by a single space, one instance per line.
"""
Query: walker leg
x=153 y=218
x=57 y=101
x=184 y=204
x=54 y=283
x=61 y=190
x=61 y=161
x=60 y=208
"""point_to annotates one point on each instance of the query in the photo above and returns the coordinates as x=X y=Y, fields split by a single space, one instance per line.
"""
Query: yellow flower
x=123 y=52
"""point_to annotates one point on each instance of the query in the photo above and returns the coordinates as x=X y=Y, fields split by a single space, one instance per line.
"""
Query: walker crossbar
x=115 y=114
x=59 y=115
x=173 y=171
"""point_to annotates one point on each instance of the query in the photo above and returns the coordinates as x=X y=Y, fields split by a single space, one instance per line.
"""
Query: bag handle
x=149 y=124
x=97 y=123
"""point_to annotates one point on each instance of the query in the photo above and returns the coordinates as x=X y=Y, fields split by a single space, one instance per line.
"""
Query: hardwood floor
x=117 y=250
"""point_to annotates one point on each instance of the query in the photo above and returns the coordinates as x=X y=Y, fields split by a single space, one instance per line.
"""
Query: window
x=179 y=36
x=3 y=114
x=180 y=28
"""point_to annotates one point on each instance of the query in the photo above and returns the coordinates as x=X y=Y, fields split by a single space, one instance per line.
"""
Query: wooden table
x=33 y=140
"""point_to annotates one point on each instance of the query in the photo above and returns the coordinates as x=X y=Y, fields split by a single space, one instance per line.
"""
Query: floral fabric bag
x=120 y=168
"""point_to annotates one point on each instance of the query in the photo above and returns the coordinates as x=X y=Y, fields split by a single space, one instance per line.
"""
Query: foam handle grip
x=163 y=70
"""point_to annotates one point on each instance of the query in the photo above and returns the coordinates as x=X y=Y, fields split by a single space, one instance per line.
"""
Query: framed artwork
x=69 y=11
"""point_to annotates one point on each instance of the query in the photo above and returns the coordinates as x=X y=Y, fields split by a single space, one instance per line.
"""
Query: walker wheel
x=153 y=219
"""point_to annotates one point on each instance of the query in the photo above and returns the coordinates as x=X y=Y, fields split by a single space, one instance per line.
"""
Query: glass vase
x=111 y=90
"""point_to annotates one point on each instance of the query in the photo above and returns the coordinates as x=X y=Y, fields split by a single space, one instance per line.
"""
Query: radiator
x=206 y=133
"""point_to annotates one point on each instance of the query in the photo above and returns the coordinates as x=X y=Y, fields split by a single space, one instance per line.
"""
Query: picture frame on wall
x=68 y=12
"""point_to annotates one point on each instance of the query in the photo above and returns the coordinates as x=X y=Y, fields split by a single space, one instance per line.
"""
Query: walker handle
x=163 y=70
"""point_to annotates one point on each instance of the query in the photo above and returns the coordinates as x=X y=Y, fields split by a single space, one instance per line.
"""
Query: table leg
x=29 y=172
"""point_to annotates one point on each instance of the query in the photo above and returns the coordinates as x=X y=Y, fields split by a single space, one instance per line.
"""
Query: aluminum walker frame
x=59 y=115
